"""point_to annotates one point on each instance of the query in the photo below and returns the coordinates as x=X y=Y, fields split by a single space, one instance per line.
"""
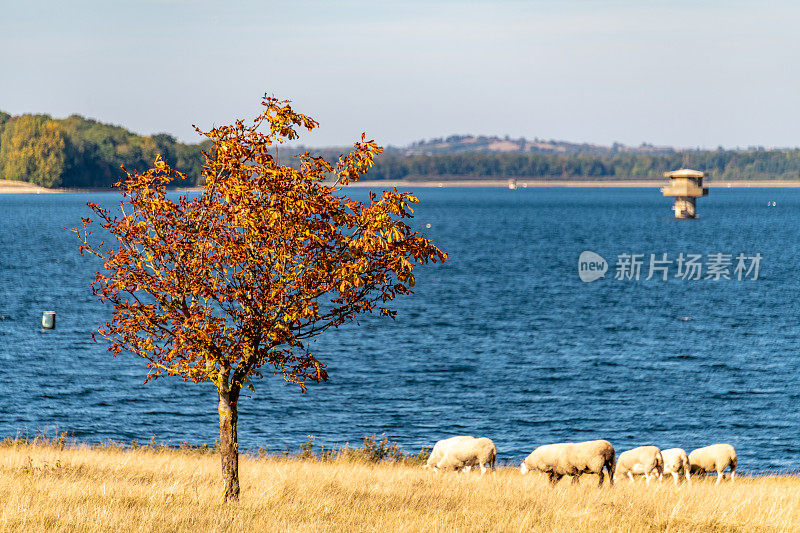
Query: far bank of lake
x=21 y=187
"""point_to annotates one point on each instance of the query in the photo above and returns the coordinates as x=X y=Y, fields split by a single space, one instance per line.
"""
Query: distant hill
x=456 y=144
x=81 y=152
x=482 y=144
x=461 y=157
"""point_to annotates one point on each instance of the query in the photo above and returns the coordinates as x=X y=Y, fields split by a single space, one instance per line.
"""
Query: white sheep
x=714 y=458
x=466 y=453
x=676 y=462
x=440 y=447
x=644 y=460
x=572 y=459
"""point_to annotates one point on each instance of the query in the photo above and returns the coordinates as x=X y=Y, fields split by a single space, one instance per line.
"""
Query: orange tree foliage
x=222 y=286
x=232 y=280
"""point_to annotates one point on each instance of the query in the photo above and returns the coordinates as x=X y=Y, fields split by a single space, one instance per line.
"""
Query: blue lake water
x=503 y=340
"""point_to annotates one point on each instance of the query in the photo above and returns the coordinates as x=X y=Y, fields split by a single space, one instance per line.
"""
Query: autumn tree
x=235 y=282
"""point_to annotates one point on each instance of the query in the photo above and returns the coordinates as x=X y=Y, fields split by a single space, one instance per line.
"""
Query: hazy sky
x=683 y=73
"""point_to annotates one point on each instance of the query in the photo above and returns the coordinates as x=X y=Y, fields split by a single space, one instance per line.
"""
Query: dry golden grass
x=47 y=487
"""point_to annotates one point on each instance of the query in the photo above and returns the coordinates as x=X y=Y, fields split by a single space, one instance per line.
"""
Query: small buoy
x=428 y=226
x=49 y=320
x=684 y=318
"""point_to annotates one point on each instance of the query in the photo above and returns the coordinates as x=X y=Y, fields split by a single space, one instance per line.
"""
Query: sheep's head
x=431 y=466
x=530 y=464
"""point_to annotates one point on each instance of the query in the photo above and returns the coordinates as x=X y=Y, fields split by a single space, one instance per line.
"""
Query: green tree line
x=719 y=164
x=80 y=152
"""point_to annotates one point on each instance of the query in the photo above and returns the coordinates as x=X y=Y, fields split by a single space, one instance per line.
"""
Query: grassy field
x=47 y=487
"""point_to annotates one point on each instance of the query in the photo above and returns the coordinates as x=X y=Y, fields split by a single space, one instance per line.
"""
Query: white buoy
x=49 y=320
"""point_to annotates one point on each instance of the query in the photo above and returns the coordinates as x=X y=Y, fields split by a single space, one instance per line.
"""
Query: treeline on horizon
x=79 y=152
x=719 y=165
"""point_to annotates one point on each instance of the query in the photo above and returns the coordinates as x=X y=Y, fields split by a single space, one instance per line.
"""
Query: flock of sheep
x=590 y=457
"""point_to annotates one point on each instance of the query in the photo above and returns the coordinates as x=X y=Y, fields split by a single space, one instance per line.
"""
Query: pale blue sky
x=679 y=73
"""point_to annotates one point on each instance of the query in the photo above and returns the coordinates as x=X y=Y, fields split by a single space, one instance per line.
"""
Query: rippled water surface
x=503 y=340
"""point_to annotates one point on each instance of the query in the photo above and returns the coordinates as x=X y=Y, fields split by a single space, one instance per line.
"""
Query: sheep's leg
x=554 y=478
x=600 y=476
x=647 y=477
x=630 y=477
x=483 y=469
x=733 y=474
x=720 y=475
x=575 y=480
x=688 y=475
x=467 y=468
x=675 y=478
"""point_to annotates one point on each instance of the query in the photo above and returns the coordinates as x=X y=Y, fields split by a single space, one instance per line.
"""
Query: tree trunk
x=229 y=444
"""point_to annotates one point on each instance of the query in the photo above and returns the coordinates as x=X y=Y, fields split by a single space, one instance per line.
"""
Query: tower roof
x=684 y=173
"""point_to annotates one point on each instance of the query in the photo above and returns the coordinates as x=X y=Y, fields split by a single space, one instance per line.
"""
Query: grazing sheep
x=676 y=462
x=714 y=458
x=643 y=460
x=466 y=453
x=439 y=449
x=572 y=459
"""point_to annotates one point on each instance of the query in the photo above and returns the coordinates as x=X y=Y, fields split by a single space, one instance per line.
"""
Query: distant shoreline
x=21 y=187
x=522 y=184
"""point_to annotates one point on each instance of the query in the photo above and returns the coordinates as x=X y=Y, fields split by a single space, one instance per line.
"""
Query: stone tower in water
x=686 y=185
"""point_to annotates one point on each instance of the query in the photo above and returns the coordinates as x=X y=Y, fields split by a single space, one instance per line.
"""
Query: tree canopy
x=33 y=146
x=79 y=152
